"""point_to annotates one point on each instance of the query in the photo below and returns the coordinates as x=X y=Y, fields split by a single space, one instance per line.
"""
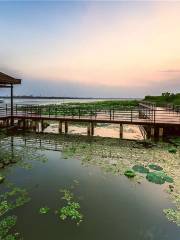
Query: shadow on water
x=113 y=207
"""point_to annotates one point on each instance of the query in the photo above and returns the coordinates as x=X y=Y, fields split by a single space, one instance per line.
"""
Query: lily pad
x=155 y=178
x=155 y=167
x=129 y=173
x=140 y=169
x=159 y=177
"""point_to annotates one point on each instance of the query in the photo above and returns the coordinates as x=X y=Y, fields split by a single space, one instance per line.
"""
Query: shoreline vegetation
x=165 y=99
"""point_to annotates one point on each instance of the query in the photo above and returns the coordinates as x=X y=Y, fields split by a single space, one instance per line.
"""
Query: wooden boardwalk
x=142 y=115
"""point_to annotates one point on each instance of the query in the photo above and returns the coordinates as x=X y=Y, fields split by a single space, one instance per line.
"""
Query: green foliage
x=172 y=150
x=175 y=141
x=80 y=109
x=140 y=169
x=155 y=167
x=165 y=98
x=6 y=224
x=44 y=210
x=155 y=178
x=158 y=177
x=4 y=207
x=71 y=209
x=129 y=173
x=173 y=215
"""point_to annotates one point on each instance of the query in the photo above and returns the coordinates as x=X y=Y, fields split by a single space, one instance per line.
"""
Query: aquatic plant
x=172 y=215
x=158 y=177
x=71 y=209
x=155 y=167
x=44 y=210
x=153 y=177
x=172 y=150
x=4 y=207
x=6 y=225
x=140 y=169
x=129 y=173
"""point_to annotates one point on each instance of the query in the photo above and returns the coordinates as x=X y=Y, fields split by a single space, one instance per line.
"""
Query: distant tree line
x=165 y=98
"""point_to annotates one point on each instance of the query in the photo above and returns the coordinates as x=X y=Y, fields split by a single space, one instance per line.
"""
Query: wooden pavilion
x=7 y=81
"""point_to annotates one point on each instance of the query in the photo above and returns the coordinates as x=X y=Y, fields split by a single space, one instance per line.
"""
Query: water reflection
x=113 y=206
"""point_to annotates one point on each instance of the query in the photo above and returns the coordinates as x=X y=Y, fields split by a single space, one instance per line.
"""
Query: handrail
x=123 y=114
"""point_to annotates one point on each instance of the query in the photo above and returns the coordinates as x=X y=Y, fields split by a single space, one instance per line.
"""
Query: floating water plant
x=155 y=167
x=44 y=210
x=172 y=215
x=140 y=169
x=155 y=178
x=129 y=173
x=172 y=150
x=71 y=209
x=5 y=226
x=158 y=177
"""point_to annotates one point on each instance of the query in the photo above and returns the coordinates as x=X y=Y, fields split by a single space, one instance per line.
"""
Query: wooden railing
x=118 y=114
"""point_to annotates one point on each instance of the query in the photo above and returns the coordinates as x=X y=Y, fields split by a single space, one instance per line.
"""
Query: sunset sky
x=91 y=49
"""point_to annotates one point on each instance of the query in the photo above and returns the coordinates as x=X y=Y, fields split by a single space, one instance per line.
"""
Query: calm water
x=114 y=207
x=56 y=101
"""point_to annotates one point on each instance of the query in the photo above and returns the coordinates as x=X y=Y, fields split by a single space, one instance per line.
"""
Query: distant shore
x=46 y=97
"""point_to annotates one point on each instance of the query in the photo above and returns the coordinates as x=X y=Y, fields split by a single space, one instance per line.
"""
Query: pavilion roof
x=7 y=80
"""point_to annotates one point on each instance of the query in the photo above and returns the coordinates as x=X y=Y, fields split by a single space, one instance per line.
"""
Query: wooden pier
x=154 y=120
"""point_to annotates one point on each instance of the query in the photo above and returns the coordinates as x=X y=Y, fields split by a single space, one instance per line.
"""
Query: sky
x=91 y=48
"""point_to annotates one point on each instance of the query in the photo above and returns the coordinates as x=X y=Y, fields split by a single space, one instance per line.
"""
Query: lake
x=113 y=207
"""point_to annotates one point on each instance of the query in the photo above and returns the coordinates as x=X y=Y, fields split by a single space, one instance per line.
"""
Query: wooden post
x=156 y=133
x=12 y=118
x=92 y=129
x=66 y=127
x=42 y=125
x=152 y=132
x=60 y=127
x=88 y=130
x=121 y=131
x=161 y=130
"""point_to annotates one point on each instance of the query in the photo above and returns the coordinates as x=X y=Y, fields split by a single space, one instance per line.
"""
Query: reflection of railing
x=128 y=115
x=38 y=143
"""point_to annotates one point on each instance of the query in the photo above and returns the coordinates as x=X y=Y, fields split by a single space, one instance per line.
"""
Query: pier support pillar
x=88 y=129
x=66 y=127
x=148 y=133
x=161 y=133
x=42 y=125
x=152 y=132
x=156 y=133
x=60 y=127
x=92 y=129
x=121 y=131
